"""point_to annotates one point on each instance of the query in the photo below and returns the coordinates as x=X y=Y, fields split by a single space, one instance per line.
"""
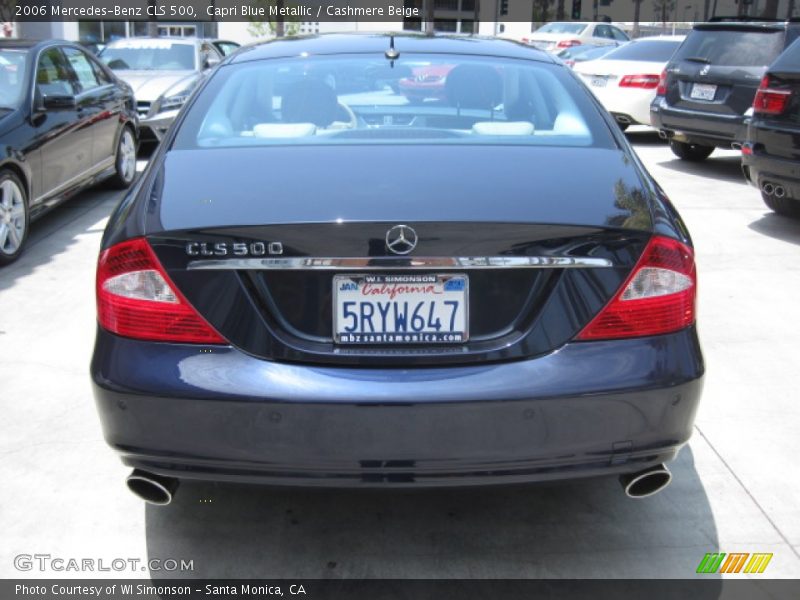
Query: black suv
x=771 y=153
x=711 y=81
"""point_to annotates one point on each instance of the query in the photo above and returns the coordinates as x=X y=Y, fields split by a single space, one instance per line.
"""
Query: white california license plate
x=599 y=81
x=703 y=91
x=400 y=309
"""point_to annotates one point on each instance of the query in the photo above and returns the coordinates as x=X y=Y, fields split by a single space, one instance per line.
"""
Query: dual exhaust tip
x=160 y=490
x=773 y=189
x=645 y=483
x=152 y=488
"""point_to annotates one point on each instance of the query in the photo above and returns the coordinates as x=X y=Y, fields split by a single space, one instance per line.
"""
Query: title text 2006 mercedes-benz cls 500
x=320 y=282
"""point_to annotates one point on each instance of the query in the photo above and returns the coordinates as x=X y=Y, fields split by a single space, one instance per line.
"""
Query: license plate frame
x=458 y=334
x=703 y=91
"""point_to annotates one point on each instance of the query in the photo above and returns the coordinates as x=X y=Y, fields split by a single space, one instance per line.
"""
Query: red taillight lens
x=661 y=88
x=647 y=82
x=658 y=296
x=770 y=101
x=137 y=299
x=568 y=43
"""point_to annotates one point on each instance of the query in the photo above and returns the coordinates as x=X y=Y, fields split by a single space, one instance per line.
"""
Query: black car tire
x=7 y=203
x=124 y=169
x=787 y=207
x=691 y=152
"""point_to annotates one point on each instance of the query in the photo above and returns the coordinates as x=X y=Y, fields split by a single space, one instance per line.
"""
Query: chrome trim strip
x=400 y=263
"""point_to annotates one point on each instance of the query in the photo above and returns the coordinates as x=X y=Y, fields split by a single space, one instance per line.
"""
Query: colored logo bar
x=735 y=562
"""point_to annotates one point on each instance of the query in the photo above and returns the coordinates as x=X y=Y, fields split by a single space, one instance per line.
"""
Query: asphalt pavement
x=735 y=487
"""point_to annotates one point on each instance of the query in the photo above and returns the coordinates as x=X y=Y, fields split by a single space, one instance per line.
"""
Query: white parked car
x=626 y=79
x=554 y=37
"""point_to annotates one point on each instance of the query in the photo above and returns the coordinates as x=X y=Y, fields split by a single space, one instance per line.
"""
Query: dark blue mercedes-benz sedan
x=324 y=280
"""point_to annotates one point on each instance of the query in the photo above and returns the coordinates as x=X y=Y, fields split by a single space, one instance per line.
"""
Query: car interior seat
x=474 y=87
x=309 y=101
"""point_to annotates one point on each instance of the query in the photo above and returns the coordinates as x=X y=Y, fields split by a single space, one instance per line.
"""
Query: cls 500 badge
x=234 y=249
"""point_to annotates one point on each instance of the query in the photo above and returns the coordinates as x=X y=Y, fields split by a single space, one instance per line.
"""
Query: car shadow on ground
x=779 y=227
x=722 y=168
x=55 y=232
x=570 y=530
x=644 y=137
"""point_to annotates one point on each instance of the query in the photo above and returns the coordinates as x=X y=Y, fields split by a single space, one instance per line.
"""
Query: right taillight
x=657 y=297
x=137 y=299
x=770 y=101
x=661 y=88
x=568 y=43
x=645 y=82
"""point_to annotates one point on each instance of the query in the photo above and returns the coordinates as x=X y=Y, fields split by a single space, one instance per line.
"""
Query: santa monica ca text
x=141 y=589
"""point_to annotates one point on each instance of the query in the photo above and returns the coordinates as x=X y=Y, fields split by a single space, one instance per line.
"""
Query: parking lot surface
x=734 y=489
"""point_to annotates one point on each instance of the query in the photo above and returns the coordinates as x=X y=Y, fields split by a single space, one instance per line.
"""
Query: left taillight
x=647 y=82
x=661 y=87
x=137 y=299
x=657 y=297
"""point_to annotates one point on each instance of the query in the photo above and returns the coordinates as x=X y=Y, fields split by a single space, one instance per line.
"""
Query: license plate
x=400 y=309
x=703 y=91
x=599 y=81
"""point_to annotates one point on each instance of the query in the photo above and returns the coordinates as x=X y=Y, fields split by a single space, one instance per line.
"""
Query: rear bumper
x=760 y=168
x=696 y=127
x=632 y=105
x=218 y=414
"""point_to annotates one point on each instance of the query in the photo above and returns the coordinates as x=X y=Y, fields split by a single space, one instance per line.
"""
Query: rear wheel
x=13 y=217
x=783 y=206
x=692 y=152
x=125 y=160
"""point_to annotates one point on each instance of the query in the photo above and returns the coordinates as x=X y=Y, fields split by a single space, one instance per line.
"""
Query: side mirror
x=58 y=102
x=210 y=62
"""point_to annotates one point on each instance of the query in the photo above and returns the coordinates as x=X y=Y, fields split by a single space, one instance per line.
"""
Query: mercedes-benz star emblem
x=401 y=239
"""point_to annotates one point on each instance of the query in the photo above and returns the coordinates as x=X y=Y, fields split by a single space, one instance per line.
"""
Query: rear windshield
x=592 y=54
x=580 y=49
x=651 y=51
x=149 y=55
x=732 y=48
x=367 y=99
x=561 y=28
x=12 y=78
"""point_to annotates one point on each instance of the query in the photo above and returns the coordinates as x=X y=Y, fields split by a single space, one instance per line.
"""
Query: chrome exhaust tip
x=768 y=189
x=779 y=191
x=662 y=134
x=155 y=489
x=645 y=483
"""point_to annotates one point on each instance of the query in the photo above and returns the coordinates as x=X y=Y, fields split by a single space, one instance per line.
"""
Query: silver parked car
x=163 y=73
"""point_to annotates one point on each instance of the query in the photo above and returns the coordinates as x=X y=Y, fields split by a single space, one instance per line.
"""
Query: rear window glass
x=415 y=99
x=149 y=55
x=731 y=48
x=645 y=51
x=592 y=54
x=562 y=28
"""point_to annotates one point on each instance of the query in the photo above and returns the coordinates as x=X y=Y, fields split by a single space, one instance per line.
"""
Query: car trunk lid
x=259 y=259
